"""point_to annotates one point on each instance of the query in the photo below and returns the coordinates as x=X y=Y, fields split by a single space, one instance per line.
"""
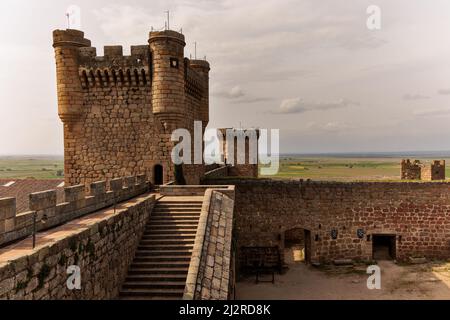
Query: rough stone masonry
x=119 y=111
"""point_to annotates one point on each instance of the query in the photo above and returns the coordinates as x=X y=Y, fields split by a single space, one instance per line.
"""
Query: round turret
x=70 y=97
x=167 y=49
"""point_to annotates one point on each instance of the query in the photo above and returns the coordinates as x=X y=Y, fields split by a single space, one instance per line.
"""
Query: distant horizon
x=422 y=153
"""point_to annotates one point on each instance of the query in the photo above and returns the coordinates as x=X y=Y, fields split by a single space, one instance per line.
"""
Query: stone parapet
x=102 y=245
x=77 y=203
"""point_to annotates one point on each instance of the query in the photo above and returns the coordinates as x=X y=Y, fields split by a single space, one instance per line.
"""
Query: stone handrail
x=216 y=213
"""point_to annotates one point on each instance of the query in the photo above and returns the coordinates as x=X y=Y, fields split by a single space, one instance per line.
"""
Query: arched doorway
x=297 y=246
x=158 y=175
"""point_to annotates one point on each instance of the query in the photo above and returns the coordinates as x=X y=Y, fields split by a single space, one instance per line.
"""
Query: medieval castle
x=132 y=240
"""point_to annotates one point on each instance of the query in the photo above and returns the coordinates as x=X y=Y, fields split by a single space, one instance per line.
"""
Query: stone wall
x=415 y=170
x=240 y=164
x=77 y=202
x=217 y=173
x=418 y=214
x=411 y=170
x=434 y=171
x=211 y=273
x=102 y=245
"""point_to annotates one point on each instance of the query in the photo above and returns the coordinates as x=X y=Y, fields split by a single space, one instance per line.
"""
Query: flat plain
x=35 y=166
x=334 y=168
x=343 y=168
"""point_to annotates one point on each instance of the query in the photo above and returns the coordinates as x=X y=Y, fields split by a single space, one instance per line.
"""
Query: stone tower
x=167 y=49
x=119 y=111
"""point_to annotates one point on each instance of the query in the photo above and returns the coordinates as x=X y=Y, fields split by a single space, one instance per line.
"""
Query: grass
x=297 y=167
x=340 y=169
x=38 y=167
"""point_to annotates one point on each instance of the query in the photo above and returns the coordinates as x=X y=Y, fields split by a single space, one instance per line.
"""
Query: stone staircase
x=160 y=266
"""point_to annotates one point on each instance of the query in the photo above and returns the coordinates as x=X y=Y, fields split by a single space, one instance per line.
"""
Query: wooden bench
x=261 y=260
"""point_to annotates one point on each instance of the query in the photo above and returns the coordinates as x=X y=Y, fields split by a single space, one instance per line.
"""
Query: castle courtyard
x=305 y=282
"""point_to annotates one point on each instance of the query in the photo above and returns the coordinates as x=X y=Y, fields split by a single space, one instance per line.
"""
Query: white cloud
x=415 y=97
x=232 y=93
x=332 y=126
x=444 y=91
x=432 y=112
x=298 y=105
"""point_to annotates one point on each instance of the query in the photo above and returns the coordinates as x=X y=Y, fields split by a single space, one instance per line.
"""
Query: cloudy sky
x=310 y=68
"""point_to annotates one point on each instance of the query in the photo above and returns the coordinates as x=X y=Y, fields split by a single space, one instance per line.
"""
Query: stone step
x=176 y=210
x=159 y=236
x=172 y=225
x=157 y=253
x=178 y=207
x=156 y=277
x=158 y=271
x=156 y=293
x=160 y=264
x=168 y=231
x=166 y=258
x=177 y=213
x=165 y=247
x=174 y=218
x=154 y=285
x=166 y=241
x=161 y=202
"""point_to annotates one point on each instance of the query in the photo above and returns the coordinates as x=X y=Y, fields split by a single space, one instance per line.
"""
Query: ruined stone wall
x=434 y=171
x=240 y=165
x=418 y=214
x=415 y=170
x=102 y=245
x=411 y=170
x=119 y=111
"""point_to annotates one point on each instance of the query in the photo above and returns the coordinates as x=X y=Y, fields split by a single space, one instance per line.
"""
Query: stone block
x=141 y=178
x=7 y=208
x=116 y=185
x=130 y=181
x=98 y=188
x=42 y=200
x=10 y=224
x=74 y=193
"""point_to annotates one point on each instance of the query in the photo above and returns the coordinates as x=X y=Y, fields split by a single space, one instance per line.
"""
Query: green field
x=342 y=168
x=298 y=167
x=38 y=167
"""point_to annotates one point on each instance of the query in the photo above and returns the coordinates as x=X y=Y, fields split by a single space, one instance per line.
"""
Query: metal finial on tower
x=195 y=50
x=168 y=19
x=68 y=20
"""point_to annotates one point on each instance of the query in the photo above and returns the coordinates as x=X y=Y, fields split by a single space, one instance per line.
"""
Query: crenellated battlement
x=119 y=110
x=114 y=68
x=79 y=200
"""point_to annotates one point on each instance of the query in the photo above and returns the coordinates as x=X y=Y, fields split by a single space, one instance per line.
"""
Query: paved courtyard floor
x=424 y=281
